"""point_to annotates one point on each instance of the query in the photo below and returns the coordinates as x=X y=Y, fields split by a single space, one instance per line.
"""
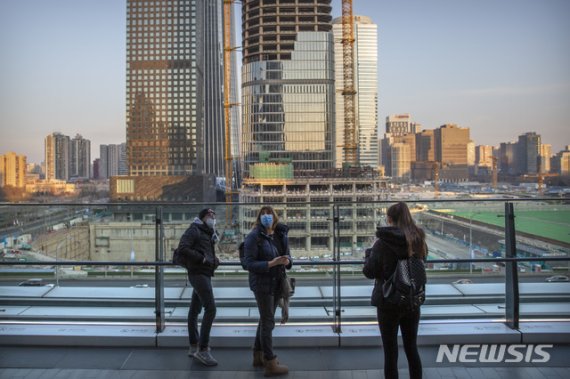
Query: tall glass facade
x=214 y=137
x=235 y=111
x=366 y=85
x=288 y=85
x=165 y=81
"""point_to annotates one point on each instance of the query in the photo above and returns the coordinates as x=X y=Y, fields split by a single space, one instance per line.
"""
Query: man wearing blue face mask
x=197 y=245
x=266 y=256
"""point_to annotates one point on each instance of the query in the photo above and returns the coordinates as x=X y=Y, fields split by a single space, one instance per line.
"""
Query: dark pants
x=266 y=304
x=202 y=296
x=408 y=323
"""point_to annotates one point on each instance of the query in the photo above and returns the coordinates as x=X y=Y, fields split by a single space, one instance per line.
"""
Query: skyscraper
x=174 y=108
x=484 y=156
x=80 y=158
x=528 y=153
x=508 y=154
x=401 y=160
x=561 y=162
x=214 y=136
x=12 y=170
x=171 y=80
x=451 y=144
x=401 y=124
x=545 y=157
x=57 y=156
x=235 y=111
x=366 y=86
x=287 y=86
x=425 y=146
x=112 y=160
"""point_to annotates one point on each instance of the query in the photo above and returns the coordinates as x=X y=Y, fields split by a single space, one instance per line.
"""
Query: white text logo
x=485 y=353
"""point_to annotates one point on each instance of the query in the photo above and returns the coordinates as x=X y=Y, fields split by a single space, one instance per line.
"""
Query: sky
x=499 y=67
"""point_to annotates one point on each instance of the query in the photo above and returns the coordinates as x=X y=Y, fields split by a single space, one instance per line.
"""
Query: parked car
x=463 y=281
x=140 y=286
x=35 y=282
x=557 y=278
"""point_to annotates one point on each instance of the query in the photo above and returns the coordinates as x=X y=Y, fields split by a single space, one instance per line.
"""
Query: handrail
x=295 y=263
x=221 y=204
x=510 y=260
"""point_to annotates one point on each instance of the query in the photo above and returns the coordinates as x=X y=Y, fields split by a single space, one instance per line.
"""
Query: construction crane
x=540 y=180
x=228 y=48
x=348 y=92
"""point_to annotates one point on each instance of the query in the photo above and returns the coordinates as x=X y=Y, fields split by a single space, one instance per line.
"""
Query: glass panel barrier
x=107 y=259
x=543 y=231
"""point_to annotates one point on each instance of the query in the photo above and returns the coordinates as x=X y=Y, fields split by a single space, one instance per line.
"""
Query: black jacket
x=197 y=245
x=259 y=249
x=390 y=246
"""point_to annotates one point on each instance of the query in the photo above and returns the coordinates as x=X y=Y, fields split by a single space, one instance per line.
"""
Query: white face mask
x=211 y=222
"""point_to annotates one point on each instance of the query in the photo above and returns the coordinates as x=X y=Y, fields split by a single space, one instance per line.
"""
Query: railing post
x=336 y=270
x=511 y=270
x=159 y=272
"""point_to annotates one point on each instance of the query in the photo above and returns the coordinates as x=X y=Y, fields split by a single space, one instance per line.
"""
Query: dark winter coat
x=259 y=249
x=197 y=245
x=380 y=264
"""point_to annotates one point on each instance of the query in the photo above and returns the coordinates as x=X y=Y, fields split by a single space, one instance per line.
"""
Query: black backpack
x=241 y=249
x=179 y=259
x=405 y=288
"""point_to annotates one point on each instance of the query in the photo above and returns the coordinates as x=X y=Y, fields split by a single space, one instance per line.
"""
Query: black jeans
x=266 y=304
x=408 y=323
x=202 y=296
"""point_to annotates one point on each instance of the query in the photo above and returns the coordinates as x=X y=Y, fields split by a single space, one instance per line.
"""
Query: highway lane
x=444 y=249
x=242 y=282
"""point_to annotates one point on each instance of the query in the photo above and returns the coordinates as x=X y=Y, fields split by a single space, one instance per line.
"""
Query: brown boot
x=273 y=368
x=258 y=360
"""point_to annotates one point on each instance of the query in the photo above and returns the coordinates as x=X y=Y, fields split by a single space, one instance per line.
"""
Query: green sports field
x=553 y=224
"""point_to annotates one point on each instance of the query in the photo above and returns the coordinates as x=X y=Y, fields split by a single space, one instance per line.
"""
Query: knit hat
x=204 y=212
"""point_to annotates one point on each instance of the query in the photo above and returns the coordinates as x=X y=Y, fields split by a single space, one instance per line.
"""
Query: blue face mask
x=266 y=220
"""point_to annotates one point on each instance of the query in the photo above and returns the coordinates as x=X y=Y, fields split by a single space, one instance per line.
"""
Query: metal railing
x=512 y=298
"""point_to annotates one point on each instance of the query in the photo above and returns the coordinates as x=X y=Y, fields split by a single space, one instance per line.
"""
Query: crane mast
x=348 y=92
x=227 y=106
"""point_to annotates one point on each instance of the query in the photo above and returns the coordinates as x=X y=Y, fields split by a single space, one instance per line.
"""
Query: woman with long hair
x=401 y=239
x=266 y=256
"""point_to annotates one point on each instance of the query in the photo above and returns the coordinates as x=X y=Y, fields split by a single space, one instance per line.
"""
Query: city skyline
x=499 y=68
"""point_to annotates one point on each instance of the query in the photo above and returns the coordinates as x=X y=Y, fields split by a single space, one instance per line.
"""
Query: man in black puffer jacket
x=197 y=246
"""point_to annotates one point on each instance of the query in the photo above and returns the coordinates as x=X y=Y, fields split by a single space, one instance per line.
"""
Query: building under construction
x=287 y=87
x=308 y=204
x=289 y=145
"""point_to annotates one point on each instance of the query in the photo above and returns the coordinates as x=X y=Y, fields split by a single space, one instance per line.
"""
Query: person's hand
x=278 y=261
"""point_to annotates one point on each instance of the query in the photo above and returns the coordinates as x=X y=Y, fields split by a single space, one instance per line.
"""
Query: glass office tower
x=170 y=81
x=287 y=87
x=366 y=85
x=214 y=127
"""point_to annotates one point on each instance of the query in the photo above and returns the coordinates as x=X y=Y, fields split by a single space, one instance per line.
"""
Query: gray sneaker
x=192 y=350
x=205 y=357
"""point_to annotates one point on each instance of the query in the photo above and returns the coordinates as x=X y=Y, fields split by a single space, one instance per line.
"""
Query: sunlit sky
x=499 y=67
